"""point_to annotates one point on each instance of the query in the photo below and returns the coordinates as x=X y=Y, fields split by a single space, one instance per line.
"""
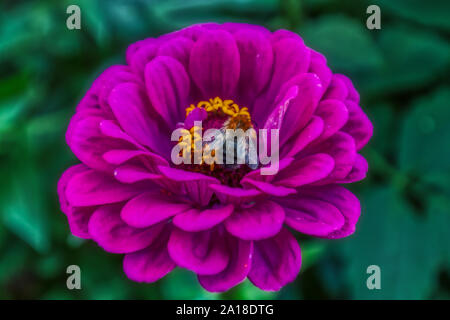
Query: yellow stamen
x=227 y=107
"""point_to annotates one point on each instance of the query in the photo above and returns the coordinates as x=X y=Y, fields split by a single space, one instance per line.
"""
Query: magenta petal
x=97 y=96
x=306 y=170
x=78 y=218
x=276 y=261
x=64 y=180
x=134 y=47
x=352 y=95
x=112 y=77
x=90 y=99
x=132 y=173
x=178 y=48
x=115 y=236
x=183 y=176
x=147 y=158
x=203 y=252
x=89 y=144
x=196 y=185
x=195 y=115
x=257 y=176
x=111 y=129
x=168 y=87
x=334 y=114
x=198 y=191
x=291 y=57
x=131 y=109
x=358 y=125
x=235 y=27
x=256 y=58
x=89 y=103
x=118 y=156
x=341 y=147
x=233 y=195
x=254 y=179
x=194 y=32
x=313 y=217
x=268 y=187
x=149 y=264
x=345 y=201
x=302 y=106
x=236 y=270
x=235 y=192
x=261 y=221
x=358 y=172
x=150 y=208
x=278 y=114
x=214 y=64
x=319 y=67
x=93 y=188
x=281 y=34
x=336 y=90
x=198 y=220
x=307 y=135
x=143 y=54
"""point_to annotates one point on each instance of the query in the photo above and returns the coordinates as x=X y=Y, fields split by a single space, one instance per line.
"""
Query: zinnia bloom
x=225 y=223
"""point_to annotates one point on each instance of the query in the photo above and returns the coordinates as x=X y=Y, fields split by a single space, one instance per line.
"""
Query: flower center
x=223 y=115
x=235 y=116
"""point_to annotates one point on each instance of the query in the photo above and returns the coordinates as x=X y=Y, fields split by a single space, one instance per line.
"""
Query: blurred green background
x=401 y=72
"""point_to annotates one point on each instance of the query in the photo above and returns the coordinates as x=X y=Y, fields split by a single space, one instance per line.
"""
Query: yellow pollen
x=190 y=137
x=238 y=117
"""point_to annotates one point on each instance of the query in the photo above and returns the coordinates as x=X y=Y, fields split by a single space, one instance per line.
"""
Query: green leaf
x=102 y=276
x=383 y=116
x=412 y=58
x=13 y=260
x=312 y=252
x=10 y=112
x=16 y=23
x=433 y=14
x=24 y=207
x=50 y=266
x=438 y=211
x=345 y=42
x=425 y=135
x=180 y=13
x=93 y=20
x=182 y=284
x=58 y=293
x=247 y=291
x=13 y=85
x=403 y=244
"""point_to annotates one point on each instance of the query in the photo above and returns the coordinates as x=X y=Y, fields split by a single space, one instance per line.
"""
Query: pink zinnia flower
x=223 y=223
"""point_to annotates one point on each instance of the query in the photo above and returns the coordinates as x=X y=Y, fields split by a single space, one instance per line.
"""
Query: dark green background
x=401 y=72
